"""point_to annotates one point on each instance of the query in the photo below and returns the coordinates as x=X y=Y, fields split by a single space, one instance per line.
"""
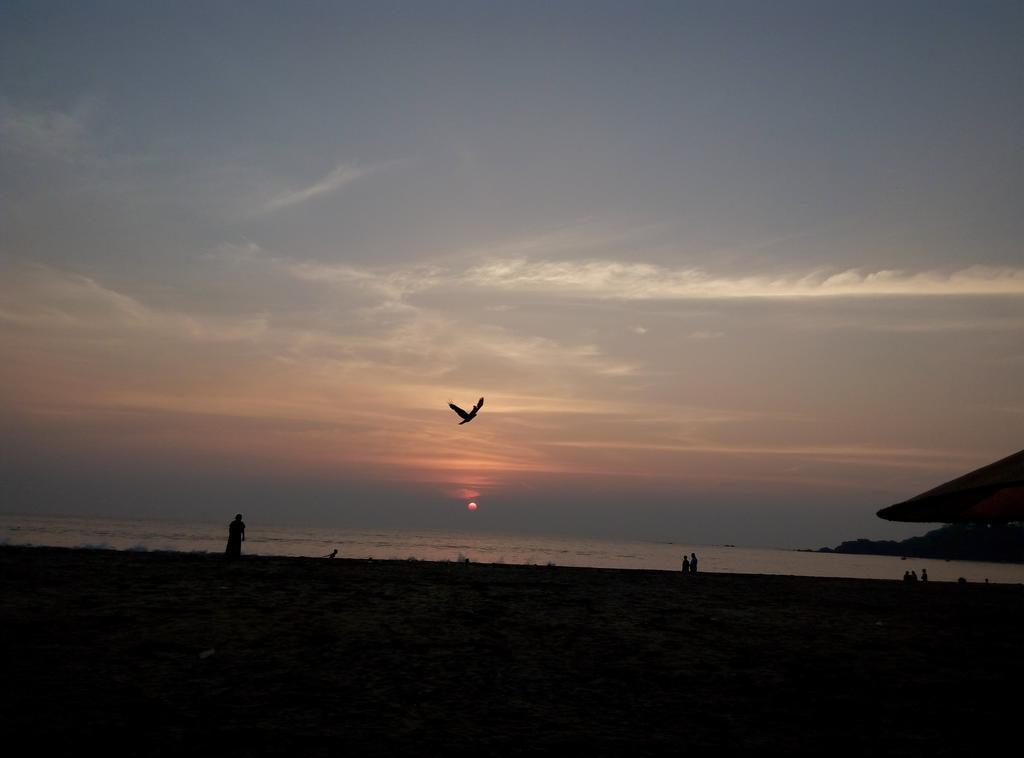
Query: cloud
x=880 y=456
x=50 y=133
x=572 y=239
x=390 y=284
x=604 y=279
x=341 y=175
x=360 y=324
x=60 y=302
x=340 y=359
x=618 y=280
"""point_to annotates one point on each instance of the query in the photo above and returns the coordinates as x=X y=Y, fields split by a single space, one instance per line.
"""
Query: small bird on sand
x=467 y=417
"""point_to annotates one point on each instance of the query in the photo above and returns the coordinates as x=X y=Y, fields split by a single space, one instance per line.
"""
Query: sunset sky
x=725 y=272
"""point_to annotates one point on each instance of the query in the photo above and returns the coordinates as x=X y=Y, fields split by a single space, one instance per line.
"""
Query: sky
x=725 y=272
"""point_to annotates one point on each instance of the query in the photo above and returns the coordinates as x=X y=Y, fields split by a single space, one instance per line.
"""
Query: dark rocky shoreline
x=999 y=543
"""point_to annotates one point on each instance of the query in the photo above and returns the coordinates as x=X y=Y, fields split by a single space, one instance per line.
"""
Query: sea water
x=389 y=544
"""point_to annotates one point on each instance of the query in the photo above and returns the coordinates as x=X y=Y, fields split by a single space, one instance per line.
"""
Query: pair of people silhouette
x=690 y=564
x=911 y=576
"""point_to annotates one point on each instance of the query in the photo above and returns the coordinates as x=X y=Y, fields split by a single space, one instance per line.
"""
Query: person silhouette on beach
x=913 y=576
x=236 y=536
x=924 y=575
x=693 y=563
x=333 y=553
x=906 y=575
x=686 y=565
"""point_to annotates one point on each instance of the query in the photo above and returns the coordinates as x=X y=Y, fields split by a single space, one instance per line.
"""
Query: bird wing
x=479 y=405
x=458 y=410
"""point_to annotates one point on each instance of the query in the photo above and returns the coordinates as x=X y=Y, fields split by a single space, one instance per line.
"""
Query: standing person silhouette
x=693 y=563
x=686 y=565
x=236 y=536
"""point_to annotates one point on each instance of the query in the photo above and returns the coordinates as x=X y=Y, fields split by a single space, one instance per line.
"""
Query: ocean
x=389 y=544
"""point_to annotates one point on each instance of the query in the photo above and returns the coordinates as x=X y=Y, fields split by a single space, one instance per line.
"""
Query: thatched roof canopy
x=991 y=493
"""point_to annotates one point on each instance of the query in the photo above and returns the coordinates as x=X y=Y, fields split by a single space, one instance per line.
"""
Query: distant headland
x=961 y=542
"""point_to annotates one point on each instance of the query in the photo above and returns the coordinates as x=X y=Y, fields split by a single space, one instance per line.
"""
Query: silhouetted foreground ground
x=101 y=651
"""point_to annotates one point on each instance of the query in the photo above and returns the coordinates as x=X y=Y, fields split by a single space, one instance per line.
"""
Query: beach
x=162 y=653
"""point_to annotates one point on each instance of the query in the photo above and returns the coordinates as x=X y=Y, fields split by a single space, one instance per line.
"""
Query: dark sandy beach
x=102 y=650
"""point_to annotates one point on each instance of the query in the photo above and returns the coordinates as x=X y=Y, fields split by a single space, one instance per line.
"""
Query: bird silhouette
x=467 y=417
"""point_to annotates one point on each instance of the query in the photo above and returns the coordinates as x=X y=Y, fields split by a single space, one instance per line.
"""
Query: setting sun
x=471 y=506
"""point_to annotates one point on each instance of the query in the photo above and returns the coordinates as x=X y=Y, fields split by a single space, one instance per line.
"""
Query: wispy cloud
x=621 y=280
x=339 y=358
x=50 y=133
x=571 y=240
x=341 y=175
x=391 y=284
x=644 y=281
x=882 y=456
x=379 y=332
x=42 y=298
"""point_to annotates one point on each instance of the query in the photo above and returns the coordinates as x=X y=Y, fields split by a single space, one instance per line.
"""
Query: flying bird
x=467 y=417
